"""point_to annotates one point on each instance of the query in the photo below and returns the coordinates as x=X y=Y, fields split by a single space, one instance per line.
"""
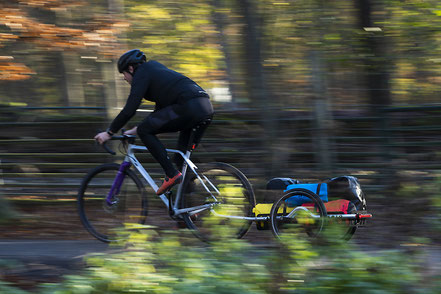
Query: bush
x=156 y=264
x=178 y=263
x=424 y=218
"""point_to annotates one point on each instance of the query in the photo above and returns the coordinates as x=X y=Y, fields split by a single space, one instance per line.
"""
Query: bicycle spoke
x=127 y=205
x=231 y=207
x=291 y=221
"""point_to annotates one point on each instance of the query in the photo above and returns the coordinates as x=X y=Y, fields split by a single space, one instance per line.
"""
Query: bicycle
x=112 y=194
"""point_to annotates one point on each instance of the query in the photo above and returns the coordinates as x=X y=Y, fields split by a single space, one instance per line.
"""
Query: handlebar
x=108 y=149
x=124 y=138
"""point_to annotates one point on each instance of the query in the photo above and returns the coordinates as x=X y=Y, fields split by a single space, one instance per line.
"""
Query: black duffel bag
x=347 y=187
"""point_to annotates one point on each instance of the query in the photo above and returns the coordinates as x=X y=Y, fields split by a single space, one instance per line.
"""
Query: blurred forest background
x=308 y=89
x=304 y=89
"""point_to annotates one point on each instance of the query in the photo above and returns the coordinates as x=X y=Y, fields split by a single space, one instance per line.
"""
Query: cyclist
x=180 y=103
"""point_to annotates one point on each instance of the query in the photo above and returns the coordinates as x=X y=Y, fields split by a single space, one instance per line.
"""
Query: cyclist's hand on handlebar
x=102 y=137
x=131 y=131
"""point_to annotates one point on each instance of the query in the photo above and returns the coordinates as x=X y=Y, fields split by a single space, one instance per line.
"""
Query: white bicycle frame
x=130 y=157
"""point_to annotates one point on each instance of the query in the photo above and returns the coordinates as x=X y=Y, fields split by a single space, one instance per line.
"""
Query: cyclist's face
x=128 y=74
x=128 y=77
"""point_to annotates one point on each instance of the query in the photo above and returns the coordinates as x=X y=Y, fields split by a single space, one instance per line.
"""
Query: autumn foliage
x=17 y=26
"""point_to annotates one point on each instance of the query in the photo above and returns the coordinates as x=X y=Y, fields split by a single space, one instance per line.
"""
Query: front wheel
x=226 y=208
x=298 y=212
x=128 y=203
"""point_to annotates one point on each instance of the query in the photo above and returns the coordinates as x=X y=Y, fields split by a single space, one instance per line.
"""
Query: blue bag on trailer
x=321 y=189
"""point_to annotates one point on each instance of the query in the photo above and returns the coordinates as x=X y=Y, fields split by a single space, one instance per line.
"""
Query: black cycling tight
x=176 y=117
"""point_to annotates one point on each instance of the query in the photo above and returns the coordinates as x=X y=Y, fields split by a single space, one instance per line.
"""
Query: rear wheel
x=345 y=227
x=228 y=203
x=298 y=212
x=352 y=224
x=129 y=204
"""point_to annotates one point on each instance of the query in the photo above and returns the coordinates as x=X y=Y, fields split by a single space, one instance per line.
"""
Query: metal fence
x=45 y=160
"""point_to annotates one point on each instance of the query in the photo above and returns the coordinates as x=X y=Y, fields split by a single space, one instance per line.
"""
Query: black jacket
x=157 y=83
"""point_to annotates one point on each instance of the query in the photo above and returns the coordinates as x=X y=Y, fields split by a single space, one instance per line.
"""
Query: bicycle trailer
x=342 y=196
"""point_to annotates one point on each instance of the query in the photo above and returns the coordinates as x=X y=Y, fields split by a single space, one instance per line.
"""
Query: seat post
x=196 y=134
x=190 y=146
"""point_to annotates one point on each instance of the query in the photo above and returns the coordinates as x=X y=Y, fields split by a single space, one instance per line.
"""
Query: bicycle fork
x=117 y=182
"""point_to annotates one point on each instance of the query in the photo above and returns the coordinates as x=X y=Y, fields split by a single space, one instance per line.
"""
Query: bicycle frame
x=131 y=159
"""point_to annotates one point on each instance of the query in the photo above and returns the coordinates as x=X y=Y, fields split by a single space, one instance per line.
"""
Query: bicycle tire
x=296 y=220
x=102 y=220
x=236 y=199
x=352 y=224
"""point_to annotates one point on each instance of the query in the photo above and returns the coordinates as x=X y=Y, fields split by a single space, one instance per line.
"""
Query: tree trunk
x=375 y=61
x=322 y=116
x=219 y=21
x=110 y=97
x=115 y=96
x=74 y=81
x=377 y=67
x=255 y=80
x=323 y=121
x=74 y=89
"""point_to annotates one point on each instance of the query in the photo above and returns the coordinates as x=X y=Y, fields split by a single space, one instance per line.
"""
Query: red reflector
x=364 y=215
x=193 y=147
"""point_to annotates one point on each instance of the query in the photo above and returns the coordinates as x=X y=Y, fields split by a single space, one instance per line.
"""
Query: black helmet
x=131 y=57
